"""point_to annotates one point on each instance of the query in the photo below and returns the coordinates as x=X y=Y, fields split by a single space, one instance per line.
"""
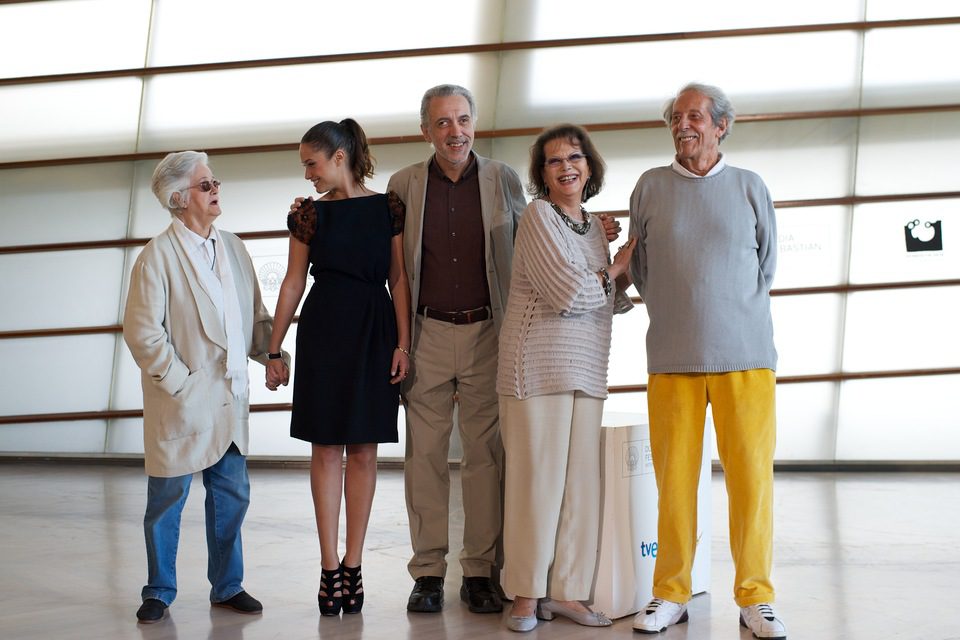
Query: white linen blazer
x=177 y=338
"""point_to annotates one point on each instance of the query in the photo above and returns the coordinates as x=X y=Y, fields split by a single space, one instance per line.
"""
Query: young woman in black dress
x=353 y=341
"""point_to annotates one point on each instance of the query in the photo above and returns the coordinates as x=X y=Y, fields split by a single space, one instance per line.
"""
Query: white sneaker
x=762 y=621
x=658 y=615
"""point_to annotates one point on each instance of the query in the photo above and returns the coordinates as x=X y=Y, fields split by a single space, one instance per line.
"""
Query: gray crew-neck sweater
x=704 y=264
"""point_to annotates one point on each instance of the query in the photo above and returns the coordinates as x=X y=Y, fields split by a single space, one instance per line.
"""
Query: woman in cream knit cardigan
x=552 y=380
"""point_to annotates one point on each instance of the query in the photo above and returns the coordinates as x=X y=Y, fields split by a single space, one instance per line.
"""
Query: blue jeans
x=228 y=495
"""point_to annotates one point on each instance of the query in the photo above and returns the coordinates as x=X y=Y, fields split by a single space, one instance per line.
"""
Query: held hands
x=611 y=226
x=277 y=373
x=621 y=260
x=400 y=366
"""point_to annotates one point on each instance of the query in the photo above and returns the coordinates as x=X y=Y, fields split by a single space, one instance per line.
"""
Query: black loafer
x=243 y=602
x=427 y=595
x=152 y=610
x=480 y=595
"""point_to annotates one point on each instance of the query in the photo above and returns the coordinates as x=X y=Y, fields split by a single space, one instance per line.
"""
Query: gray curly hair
x=721 y=107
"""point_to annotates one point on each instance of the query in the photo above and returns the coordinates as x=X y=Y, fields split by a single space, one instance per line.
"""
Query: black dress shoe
x=152 y=610
x=480 y=595
x=243 y=602
x=427 y=595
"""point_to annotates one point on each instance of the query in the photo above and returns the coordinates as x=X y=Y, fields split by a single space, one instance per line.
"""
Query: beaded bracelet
x=605 y=280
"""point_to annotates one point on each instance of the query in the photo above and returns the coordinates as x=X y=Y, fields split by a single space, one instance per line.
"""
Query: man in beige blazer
x=193 y=315
x=462 y=216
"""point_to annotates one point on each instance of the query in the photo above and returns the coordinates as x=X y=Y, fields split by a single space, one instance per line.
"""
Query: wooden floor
x=857 y=556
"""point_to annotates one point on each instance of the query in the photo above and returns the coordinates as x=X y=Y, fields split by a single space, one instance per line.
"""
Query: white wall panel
x=147 y=217
x=899 y=419
x=907 y=329
x=67 y=119
x=910 y=66
x=81 y=437
x=802 y=159
x=124 y=436
x=60 y=288
x=64 y=204
x=270 y=263
x=909 y=154
x=55 y=375
x=904 y=241
x=241 y=31
x=628 y=349
x=768 y=73
x=627 y=402
x=808 y=333
x=43 y=38
x=278 y=104
x=270 y=435
x=127 y=389
x=899 y=10
x=545 y=19
x=813 y=246
x=806 y=419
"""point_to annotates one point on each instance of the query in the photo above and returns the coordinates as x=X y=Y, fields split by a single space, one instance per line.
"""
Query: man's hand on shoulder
x=611 y=226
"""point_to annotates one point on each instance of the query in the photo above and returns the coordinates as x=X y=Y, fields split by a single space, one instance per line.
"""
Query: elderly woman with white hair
x=193 y=316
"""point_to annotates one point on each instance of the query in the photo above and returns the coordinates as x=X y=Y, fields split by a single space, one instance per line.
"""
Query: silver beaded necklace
x=579 y=228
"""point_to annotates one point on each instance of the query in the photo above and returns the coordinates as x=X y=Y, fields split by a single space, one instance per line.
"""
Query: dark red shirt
x=453 y=270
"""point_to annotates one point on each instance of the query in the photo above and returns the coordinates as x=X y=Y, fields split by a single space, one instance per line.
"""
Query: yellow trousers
x=744 y=417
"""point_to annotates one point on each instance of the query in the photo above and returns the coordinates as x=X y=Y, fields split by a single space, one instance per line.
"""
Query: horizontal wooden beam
x=492 y=134
x=120 y=243
x=493 y=47
x=77 y=416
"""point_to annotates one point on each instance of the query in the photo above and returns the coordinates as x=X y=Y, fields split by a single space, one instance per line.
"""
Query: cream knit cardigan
x=556 y=332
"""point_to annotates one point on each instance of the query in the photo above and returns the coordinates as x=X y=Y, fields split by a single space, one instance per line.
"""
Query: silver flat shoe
x=522 y=624
x=547 y=609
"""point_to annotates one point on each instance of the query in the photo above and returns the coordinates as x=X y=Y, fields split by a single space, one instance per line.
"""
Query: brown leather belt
x=455 y=317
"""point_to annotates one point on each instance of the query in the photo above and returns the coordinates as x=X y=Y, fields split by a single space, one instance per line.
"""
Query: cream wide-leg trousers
x=552 y=495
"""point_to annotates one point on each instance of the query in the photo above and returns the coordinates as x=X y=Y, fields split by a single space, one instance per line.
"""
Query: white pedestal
x=628 y=526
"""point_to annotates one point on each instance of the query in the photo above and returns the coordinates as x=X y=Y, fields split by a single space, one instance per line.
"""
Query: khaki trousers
x=552 y=496
x=744 y=417
x=451 y=359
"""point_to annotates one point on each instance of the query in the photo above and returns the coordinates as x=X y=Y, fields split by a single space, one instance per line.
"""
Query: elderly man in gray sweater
x=704 y=263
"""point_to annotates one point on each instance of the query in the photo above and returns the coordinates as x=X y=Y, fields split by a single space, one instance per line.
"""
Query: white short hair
x=172 y=176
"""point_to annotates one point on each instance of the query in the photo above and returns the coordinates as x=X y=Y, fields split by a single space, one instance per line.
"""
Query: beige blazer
x=501 y=203
x=175 y=334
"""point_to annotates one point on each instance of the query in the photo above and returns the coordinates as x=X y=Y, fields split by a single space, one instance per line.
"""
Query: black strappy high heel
x=331 y=583
x=352 y=589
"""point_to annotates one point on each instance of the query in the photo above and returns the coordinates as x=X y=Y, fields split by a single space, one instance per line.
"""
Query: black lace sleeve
x=302 y=223
x=398 y=211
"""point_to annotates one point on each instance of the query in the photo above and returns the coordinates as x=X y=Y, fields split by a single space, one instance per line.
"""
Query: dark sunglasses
x=207 y=185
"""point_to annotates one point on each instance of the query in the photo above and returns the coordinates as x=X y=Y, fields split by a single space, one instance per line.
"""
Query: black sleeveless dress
x=347 y=331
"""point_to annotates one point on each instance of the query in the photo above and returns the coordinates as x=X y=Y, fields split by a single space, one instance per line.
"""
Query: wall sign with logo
x=923 y=236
